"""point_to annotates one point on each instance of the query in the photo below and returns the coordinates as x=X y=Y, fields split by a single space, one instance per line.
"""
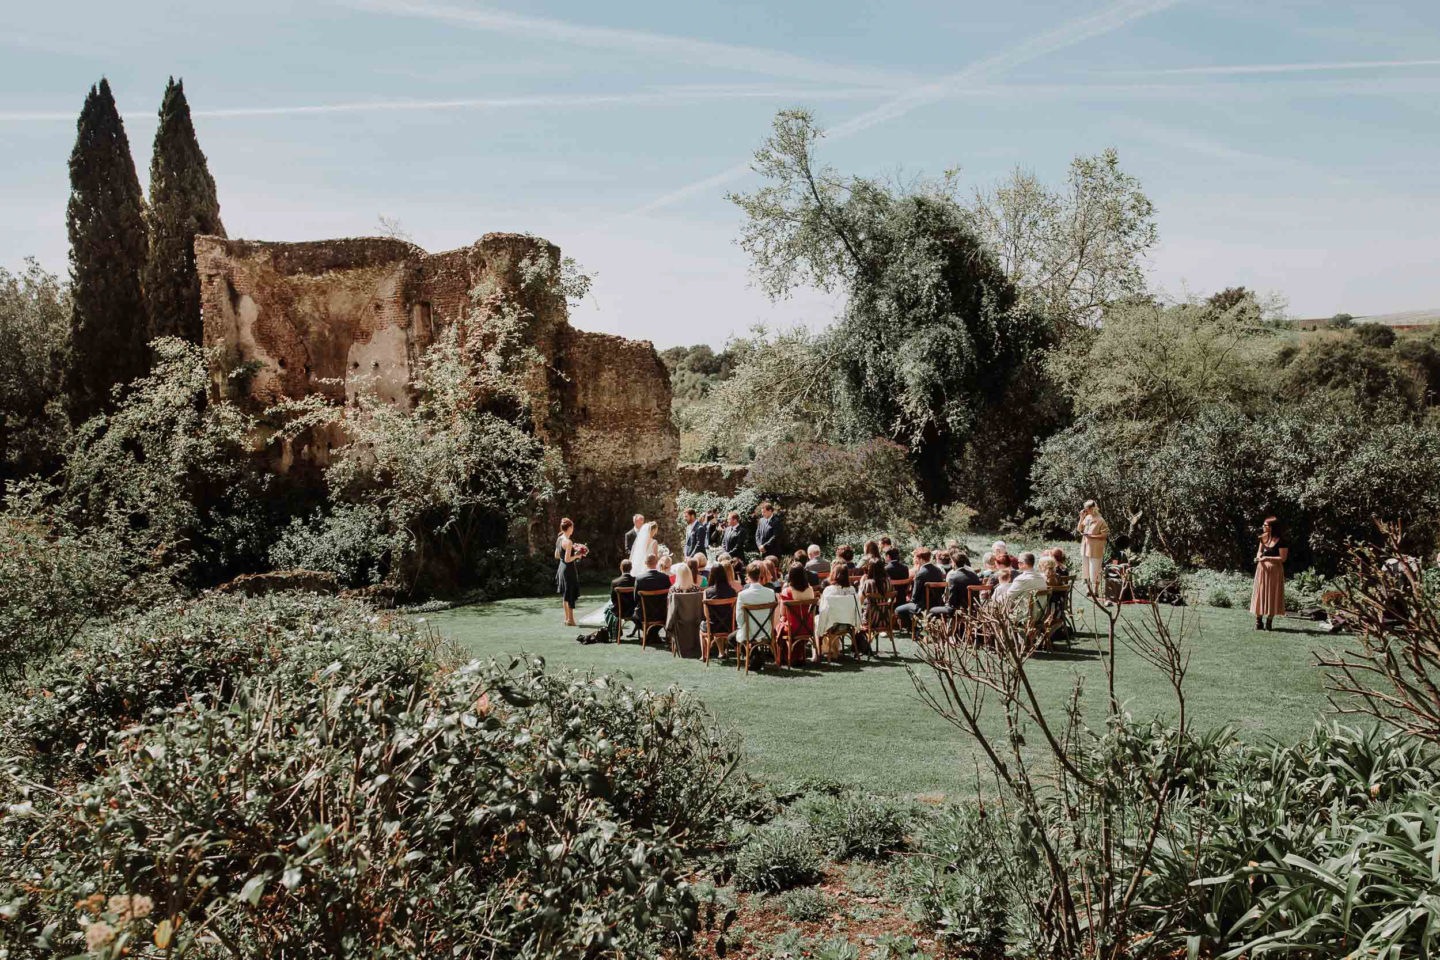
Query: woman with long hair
x=795 y=622
x=1268 y=599
x=874 y=614
x=567 y=578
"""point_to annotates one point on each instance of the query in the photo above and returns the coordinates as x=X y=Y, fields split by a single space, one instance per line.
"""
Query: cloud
x=745 y=59
x=1067 y=34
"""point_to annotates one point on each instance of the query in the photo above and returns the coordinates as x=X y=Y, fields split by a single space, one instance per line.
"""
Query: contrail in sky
x=1067 y=34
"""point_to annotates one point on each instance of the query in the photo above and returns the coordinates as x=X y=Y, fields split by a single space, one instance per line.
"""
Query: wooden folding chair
x=973 y=599
x=1064 y=594
x=803 y=612
x=757 y=630
x=648 y=618
x=934 y=594
x=885 y=623
x=712 y=637
x=899 y=589
x=617 y=596
x=1039 y=615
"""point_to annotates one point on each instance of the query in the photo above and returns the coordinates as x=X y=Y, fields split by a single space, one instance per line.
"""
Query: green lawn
x=861 y=723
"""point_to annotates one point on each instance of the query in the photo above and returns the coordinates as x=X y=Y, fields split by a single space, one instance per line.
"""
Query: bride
x=645 y=546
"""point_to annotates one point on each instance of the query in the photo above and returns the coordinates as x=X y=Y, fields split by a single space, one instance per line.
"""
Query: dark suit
x=733 y=541
x=925 y=573
x=957 y=584
x=624 y=606
x=896 y=570
x=697 y=538
x=630 y=536
x=767 y=536
x=654 y=607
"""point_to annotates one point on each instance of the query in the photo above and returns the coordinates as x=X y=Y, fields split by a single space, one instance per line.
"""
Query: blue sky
x=1290 y=146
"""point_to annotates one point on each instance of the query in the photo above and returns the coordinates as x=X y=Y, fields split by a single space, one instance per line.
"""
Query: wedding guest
x=957 y=585
x=755 y=628
x=666 y=566
x=817 y=565
x=1062 y=564
x=924 y=572
x=845 y=557
x=732 y=541
x=1000 y=553
x=795 y=621
x=653 y=608
x=838 y=607
x=767 y=531
x=1094 y=531
x=1049 y=570
x=894 y=568
x=870 y=552
x=885 y=545
x=624 y=602
x=722 y=587
x=874 y=613
x=682 y=619
x=1268 y=599
x=697 y=532
x=700 y=566
x=633 y=532
x=1022 y=581
x=567 y=578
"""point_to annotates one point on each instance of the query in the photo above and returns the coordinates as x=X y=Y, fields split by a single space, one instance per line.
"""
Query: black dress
x=567 y=578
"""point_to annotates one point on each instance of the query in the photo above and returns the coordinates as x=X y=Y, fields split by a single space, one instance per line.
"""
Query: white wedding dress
x=644 y=544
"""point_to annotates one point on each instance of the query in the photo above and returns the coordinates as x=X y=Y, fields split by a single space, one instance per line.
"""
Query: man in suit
x=767 y=531
x=633 y=532
x=894 y=569
x=957 y=584
x=733 y=540
x=624 y=603
x=925 y=572
x=816 y=566
x=652 y=579
x=697 y=532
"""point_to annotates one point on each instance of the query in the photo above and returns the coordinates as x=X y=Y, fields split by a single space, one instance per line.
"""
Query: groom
x=697 y=533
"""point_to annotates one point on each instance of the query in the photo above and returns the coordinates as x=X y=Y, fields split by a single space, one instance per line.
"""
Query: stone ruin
x=337 y=316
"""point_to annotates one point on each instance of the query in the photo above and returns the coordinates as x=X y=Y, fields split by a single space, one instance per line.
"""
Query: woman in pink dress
x=1268 y=600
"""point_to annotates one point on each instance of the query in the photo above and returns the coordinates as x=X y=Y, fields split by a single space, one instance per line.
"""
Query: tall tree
x=182 y=204
x=106 y=223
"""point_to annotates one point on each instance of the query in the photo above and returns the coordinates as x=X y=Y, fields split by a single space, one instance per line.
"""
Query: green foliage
x=105 y=219
x=745 y=502
x=1373 y=379
x=1342 y=321
x=854 y=825
x=351 y=541
x=35 y=314
x=956 y=880
x=805 y=905
x=440 y=482
x=777 y=857
x=1154 y=569
x=373 y=804
x=168 y=478
x=182 y=205
x=827 y=490
x=1071 y=252
x=1198 y=490
x=1375 y=335
x=930 y=339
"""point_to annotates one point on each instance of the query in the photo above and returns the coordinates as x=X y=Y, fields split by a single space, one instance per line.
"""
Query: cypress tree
x=106 y=222
x=182 y=204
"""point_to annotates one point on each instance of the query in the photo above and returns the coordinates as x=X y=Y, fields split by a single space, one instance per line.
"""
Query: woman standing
x=567 y=578
x=1269 y=596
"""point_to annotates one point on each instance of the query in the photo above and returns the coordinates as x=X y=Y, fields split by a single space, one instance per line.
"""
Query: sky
x=1288 y=145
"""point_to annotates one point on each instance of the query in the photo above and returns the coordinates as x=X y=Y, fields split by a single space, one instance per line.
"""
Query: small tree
x=182 y=205
x=34 y=350
x=106 y=223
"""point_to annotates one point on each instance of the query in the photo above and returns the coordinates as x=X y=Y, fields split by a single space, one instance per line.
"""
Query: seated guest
x=885 y=545
x=846 y=555
x=1062 y=566
x=684 y=613
x=1047 y=568
x=795 y=621
x=772 y=574
x=1001 y=555
x=1022 y=582
x=874 y=591
x=894 y=569
x=871 y=552
x=924 y=572
x=652 y=579
x=667 y=567
x=817 y=566
x=700 y=566
x=838 y=608
x=755 y=628
x=722 y=588
x=957 y=586
x=624 y=604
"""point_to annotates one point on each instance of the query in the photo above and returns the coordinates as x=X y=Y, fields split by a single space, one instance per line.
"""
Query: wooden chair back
x=934 y=594
x=712 y=634
x=623 y=597
x=799 y=625
x=757 y=629
x=651 y=618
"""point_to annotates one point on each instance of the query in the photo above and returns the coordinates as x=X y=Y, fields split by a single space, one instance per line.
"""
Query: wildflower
x=130 y=908
x=91 y=904
x=1374 y=791
x=98 y=934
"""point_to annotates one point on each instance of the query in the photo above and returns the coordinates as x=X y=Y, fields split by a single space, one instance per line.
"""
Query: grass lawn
x=861 y=723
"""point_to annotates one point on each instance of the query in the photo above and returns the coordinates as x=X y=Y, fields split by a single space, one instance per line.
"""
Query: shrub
x=957 y=879
x=1153 y=570
x=854 y=825
x=777 y=857
x=805 y=904
x=350 y=541
x=487 y=811
x=1218 y=597
x=1375 y=335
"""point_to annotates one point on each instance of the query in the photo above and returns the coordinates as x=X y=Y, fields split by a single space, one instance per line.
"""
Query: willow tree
x=105 y=219
x=932 y=341
x=182 y=204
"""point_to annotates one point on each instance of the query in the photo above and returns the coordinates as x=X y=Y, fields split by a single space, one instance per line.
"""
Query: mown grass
x=861 y=723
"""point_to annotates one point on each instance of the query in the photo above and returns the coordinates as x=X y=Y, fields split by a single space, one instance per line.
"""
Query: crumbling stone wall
x=339 y=316
x=721 y=479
